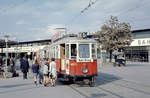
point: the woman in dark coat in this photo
(24, 65)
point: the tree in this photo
(114, 35)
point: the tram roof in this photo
(73, 39)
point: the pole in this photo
(6, 40)
(101, 56)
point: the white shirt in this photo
(52, 68)
(45, 69)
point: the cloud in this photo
(38, 20)
(45, 32)
(50, 5)
(52, 28)
(20, 22)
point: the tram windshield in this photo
(84, 51)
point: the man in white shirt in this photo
(52, 70)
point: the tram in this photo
(76, 58)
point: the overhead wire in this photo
(82, 11)
(133, 19)
(89, 5)
(132, 9)
(85, 9)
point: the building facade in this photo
(139, 50)
(20, 49)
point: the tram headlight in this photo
(84, 70)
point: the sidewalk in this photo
(104, 64)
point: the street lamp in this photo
(6, 41)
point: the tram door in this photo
(62, 57)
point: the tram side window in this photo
(45, 53)
(73, 51)
(93, 51)
(57, 52)
(67, 49)
(50, 53)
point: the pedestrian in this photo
(52, 70)
(12, 66)
(46, 73)
(42, 63)
(35, 70)
(24, 66)
(1, 61)
(143, 59)
(2, 68)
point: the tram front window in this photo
(84, 51)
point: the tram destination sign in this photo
(141, 42)
(85, 60)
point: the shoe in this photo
(35, 83)
(40, 82)
(45, 84)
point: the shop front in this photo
(139, 50)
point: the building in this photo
(3, 45)
(19, 49)
(139, 50)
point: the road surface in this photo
(132, 81)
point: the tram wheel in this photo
(92, 82)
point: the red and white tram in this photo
(76, 58)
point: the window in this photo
(93, 51)
(73, 51)
(67, 51)
(56, 48)
(84, 51)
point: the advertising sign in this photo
(141, 42)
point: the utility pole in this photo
(6, 41)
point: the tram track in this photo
(131, 85)
(73, 87)
(129, 81)
(128, 87)
(110, 92)
(147, 86)
(93, 90)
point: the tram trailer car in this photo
(76, 59)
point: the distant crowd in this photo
(44, 70)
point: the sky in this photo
(29, 20)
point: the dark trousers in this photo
(40, 76)
(25, 75)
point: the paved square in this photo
(132, 81)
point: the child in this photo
(35, 70)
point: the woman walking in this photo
(52, 70)
(24, 66)
(35, 70)
(46, 73)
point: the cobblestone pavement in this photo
(132, 81)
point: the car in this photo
(120, 61)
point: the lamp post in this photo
(6, 41)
